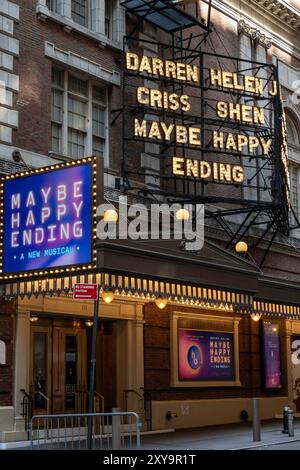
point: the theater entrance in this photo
(60, 364)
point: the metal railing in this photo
(111, 431)
(145, 405)
(26, 405)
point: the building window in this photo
(76, 102)
(79, 12)
(94, 15)
(108, 17)
(294, 167)
(53, 5)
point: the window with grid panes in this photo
(53, 5)
(57, 109)
(99, 120)
(80, 12)
(80, 97)
(294, 188)
(77, 115)
(108, 17)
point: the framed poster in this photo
(204, 350)
(271, 355)
(205, 355)
(295, 363)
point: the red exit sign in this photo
(85, 291)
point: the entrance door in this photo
(58, 368)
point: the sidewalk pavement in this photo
(229, 437)
(226, 437)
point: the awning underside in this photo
(162, 13)
(149, 289)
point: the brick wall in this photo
(157, 360)
(34, 69)
(6, 370)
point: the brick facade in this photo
(6, 370)
(158, 368)
(34, 70)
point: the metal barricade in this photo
(110, 431)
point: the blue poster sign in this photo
(48, 220)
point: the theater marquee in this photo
(48, 220)
(182, 101)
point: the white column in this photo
(64, 145)
(22, 358)
(135, 364)
(98, 16)
(119, 25)
(65, 8)
(89, 127)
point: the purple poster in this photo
(205, 355)
(48, 220)
(295, 363)
(272, 365)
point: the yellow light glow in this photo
(34, 318)
(182, 214)
(108, 296)
(256, 316)
(241, 247)
(110, 215)
(161, 302)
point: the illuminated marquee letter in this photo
(77, 229)
(181, 134)
(46, 211)
(167, 130)
(61, 192)
(61, 211)
(205, 170)
(14, 239)
(215, 76)
(237, 174)
(140, 130)
(139, 95)
(15, 220)
(39, 235)
(274, 89)
(193, 136)
(77, 189)
(132, 61)
(30, 219)
(30, 199)
(45, 194)
(192, 74)
(178, 166)
(15, 201)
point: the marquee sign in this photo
(48, 220)
(209, 120)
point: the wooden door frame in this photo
(55, 376)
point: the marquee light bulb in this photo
(182, 214)
(256, 316)
(161, 302)
(110, 215)
(108, 296)
(241, 247)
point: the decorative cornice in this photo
(254, 34)
(281, 10)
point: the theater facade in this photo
(183, 110)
